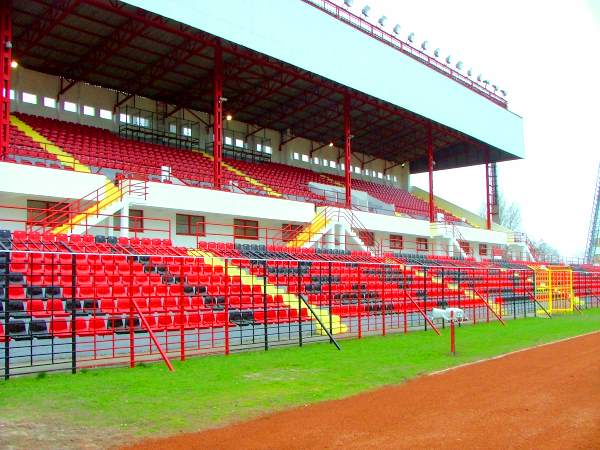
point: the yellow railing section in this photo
(111, 194)
(289, 300)
(269, 190)
(554, 288)
(331, 180)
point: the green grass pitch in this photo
(209, 391)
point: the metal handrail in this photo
(316, 316)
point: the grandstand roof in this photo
(132, 50)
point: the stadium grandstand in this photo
(184, 180)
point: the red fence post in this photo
(383, 312)
(452, 332)
(131, 334)
(181, 315)
(360, 303)
(227, 307)
(404, 285)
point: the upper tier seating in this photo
(100, 148)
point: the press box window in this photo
(396, 242)
(187, 225)
(245, 229)
(422, 244)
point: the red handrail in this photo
(488, 306)
(427, 319)
(152, 336)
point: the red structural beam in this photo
(310, 99)
(151, 72)
(488, 212)
(347, 151)
(106, 49)
(241, 52)
(430, 169)
(218, 117)
(5, 68)
(54, 14)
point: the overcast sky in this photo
(547, 55)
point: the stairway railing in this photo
(91, 204)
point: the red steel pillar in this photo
(218, 118)
(430, 169)
(347, 151)
(488, 211)
(491, 193)
(5, 67)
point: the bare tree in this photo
(510, 213)
(545, 251)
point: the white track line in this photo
(503, 355)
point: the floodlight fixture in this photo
(411, 37)
(382, 20)
(425, 45)
(459, 65)
(348, 3)
(396, 29)
(331, 144)
(437, 52)
(366, 10)
(229, 117)
(449, 59)
(470, 72)
(14, 64)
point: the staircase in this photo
(313, 231)
(324, 222)
(291, 301)
(78, 215)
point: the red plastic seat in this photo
(60, 327)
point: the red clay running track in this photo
(547, 397)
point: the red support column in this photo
(488, 211)
(430, 168)
(5, 68)
(491, 191)
(218, 117)
(347, 151)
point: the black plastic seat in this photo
(71, 305)
(16, 308)
(112, 240)
(35, 292)
(53, 291)
(100, 239)
(116, 324)
(17, 329)
(16, 278)
(38, 328)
